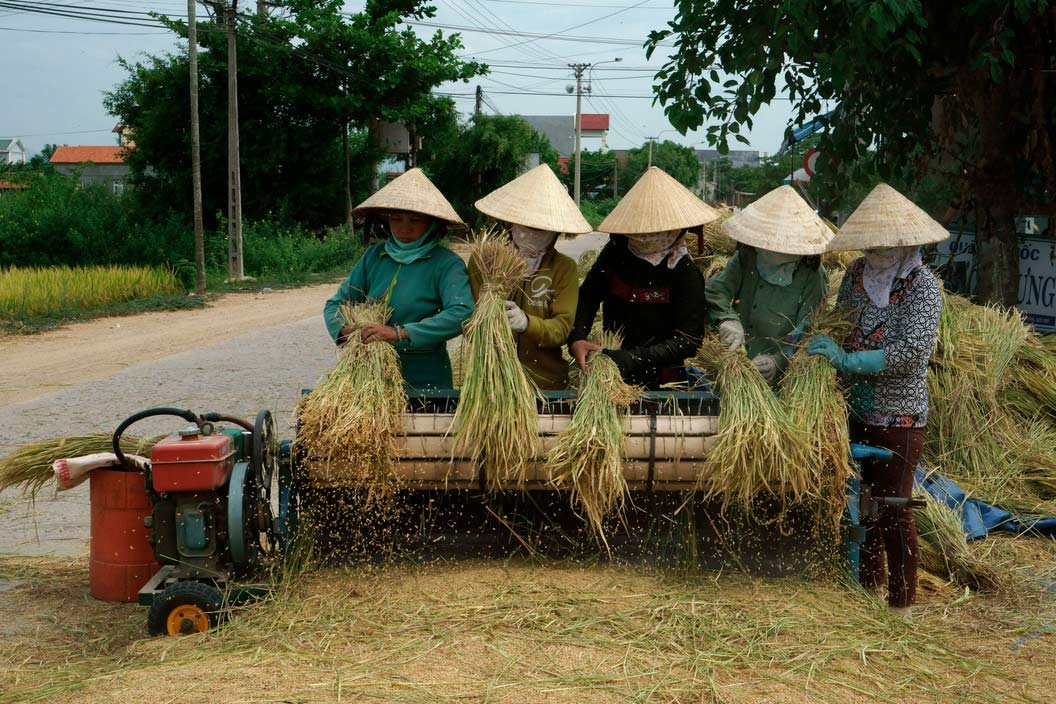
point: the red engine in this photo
(191, 461)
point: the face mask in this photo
(654, 247)
(776, 268)
(532, 244)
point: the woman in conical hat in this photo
(894, 302)
(426, 284)
(773, 280)
(645, 283)
(538, 209)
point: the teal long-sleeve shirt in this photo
(430, 299)
(767, 312)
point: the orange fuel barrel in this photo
(122, 559)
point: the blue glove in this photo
(862, 363)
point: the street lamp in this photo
(579, 69)
(653, 139)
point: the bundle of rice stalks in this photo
(759, 449)
(29, 466)
(839, 261)
(944, 549)
(712, 264)
(496, 421)
(813, 397)
(350, 422)
(586, 262)
(1033, 374)
(589, 451)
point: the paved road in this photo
(262, 369)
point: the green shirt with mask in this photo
(430, 299)
(769, 312)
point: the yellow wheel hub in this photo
(186, 619)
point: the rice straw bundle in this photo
(759, 449)
(350, 422)
(496, 421)
(813, 398)
(712, 264)
(588, 453)
(944, 549)
(29, 466)
(839, 261)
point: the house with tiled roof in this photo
(93, 165)
(12, 151)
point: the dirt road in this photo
(34, 365)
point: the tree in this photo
(477, 158)
(943, 92)
(309, 82)
(679, 161)
(597, 170)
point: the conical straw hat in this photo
(655, 204)
(535, 199)
(411, 191)
(886, 218)
(781, 221)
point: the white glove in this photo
(767, 366)
(731, 334)
(516, 316)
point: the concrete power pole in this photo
(235, 270)
(615, 178)
(650, 165)
(579, 69)
(196, 149)
(479, 105)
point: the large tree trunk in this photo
(996, 250)
(997, 185)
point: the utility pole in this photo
(235, 270)
(196, 150)
(262, 9)
(480, 101)
(615, 178)
(651, 152)
(579, 69)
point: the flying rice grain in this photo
(589, 452)
(350, 422)
(496, 421)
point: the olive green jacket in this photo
(768, 313)
(549, 300)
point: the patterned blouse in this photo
(905, 330)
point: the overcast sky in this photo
(56, 69)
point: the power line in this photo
(535, 36)
(578, 26)
(83, 34)
(641, 6)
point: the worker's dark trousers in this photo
(894, 531)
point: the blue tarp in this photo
(803, 131)
(978, 517)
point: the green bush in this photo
(288, 254)
(596, 210)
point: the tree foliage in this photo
(597, 170)
(940, 91)
(468, 161)
(678, 160)
(305, 76)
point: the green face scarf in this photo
(408, 252)
(776, 268)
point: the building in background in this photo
(561, 131)
(12, 151)
(93, 165)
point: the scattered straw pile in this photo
(514, 632)
(29, 466)
(944, 548)
(496, 419)
(588, 454)
(760, 450)
(350, 422)
(991, 425)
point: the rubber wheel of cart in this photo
(185, 608)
